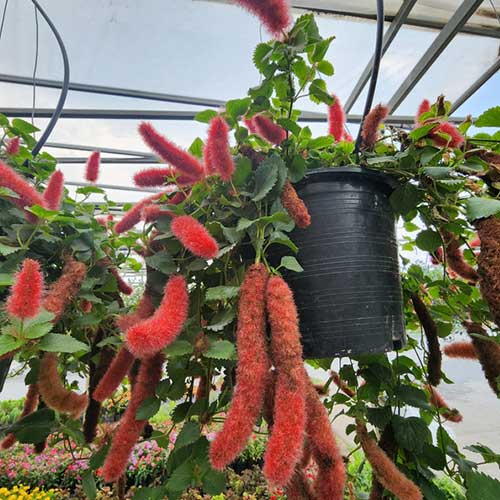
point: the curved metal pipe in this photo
(375, 70)
(64, 91)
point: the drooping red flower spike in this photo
(384, 468)
(347, 137)
(455, 258)
(284, 449)
(274, 14)
(53, 392)
(295, 206)
(92, 167)
(184, 162)
(336, 119)
(52, 195)
(461, 350)
(475, 243)
(28, 195)
(30, 404)
(153, 177)
(153, 334)
(452, 415)
(453, 139)
(130, 429)
(133, 216)
(25, 299)
(330, 481)
(250, 125)
(425, 107)
(193, 235)
(252, 370)
(62, 291)
(218, 153)
(371, 125)
(341, 384)
(12, 146)
(122, 285)
(269, 130)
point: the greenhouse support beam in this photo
(79, 160)
(78, 147)
(489, 73)
(457, 21)
(111, 186)
(124, 114)
(389, 36)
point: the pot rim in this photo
(389, 184)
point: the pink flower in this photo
(54, 191)
(152, 177)
(25, 299)
(217, 154)
(371, 124)
(194, 236)
(28, 195)
(452, 137)
(92, 167)
(425, 107)
(12, 146)
(336, 119)
(269, 130)
(274, 14)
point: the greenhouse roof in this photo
(165, 61)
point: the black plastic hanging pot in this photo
(4, 371)
(349, 295)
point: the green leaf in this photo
(205, 116)
(411, 396)
(37, 330)
(321, 142)
(321, 48)
(24, 126)
(437, 172)
(162, 261)
(55, 342)
(261, 55)
(291, 263)
(302, 71)
(148, 408)
(149, 493)
(179, 348)
(214, 482)
(428, 240)
(236, 108)
(88, 484)
(411, 433)
(479, 208)
(379, 417)
(420, 132)
(190, 433)
(196, 148)
(297, 169)
(98, 457)
(318, 93)
(325, 67)
(222, 293)
(266, 177)
(243, 170)
(221, 349)
(404, 199)
(34, 428)
(9, 343)
(7, 250)
(282, 239)
(289, 125)
(220, 320)
(6, 279)
(482, 487)
(43, 317)
(490, 118)
(182, 476)
(244, 224)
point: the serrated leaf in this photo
(236, 108)
(222, 293)
(411, 396)
(55, 342)
(261, 55)
(325, 67)
(420, 132)
(404, 199)
(162, 261)
(196, 148)
(7, 250)
(318, 92)
(214, 482)
(34, 428)
(479, 208)
(243, 170)
(266, 177)
(24, 126)
(9, 343)
(282, 239)
(88, 484)
(149, 493)
(291, 263)
(411, 433)
(482, 487)
(221, 349)
(98, 458)
(190, 433)
(37, 330)
(289, 125)
(490, 118)
(205, 116)
(437, 172)
(428, 240)
(148, 408)
(220, 320)
(179, 348)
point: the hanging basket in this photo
(349, 295)
(4, 371)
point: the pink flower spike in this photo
(183, 161)
(250, 125)
(425, 107)
(193, 235)
(269, 130)
(53, 192)
(28, 195)
(336, 119)
(274, 14)
(371, 124)
(347, 137)
(455, 139)
(12, 146)
(133, 216)
(25, 299)
(153, 177)
(92, 167)
(218, 153)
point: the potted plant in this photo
(217, 328)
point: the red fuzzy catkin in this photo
(218, 153)
(250, 125)
(153, 177)
(30, 405)
(193, 235)
(455, 139)
(438, 402)
(133, 216)
(252, 370)
(455, 258)
(269, 130)
(336, 119)
(295, 206)
(153, 334)
(130, 429)
(184, 162)
(145, 309)
(92, 167)
(274, 14)
(330, 481)
(285, 444)
(25, 299)
(53, 392)
(341, 384)
(122, 285)
(62, 291)
(28, 195)
(461, 350)
(371, 125)
(430, 329)
(475, 243)
(384, 468)
(12, 146)
(425, 107)
(53, 193)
